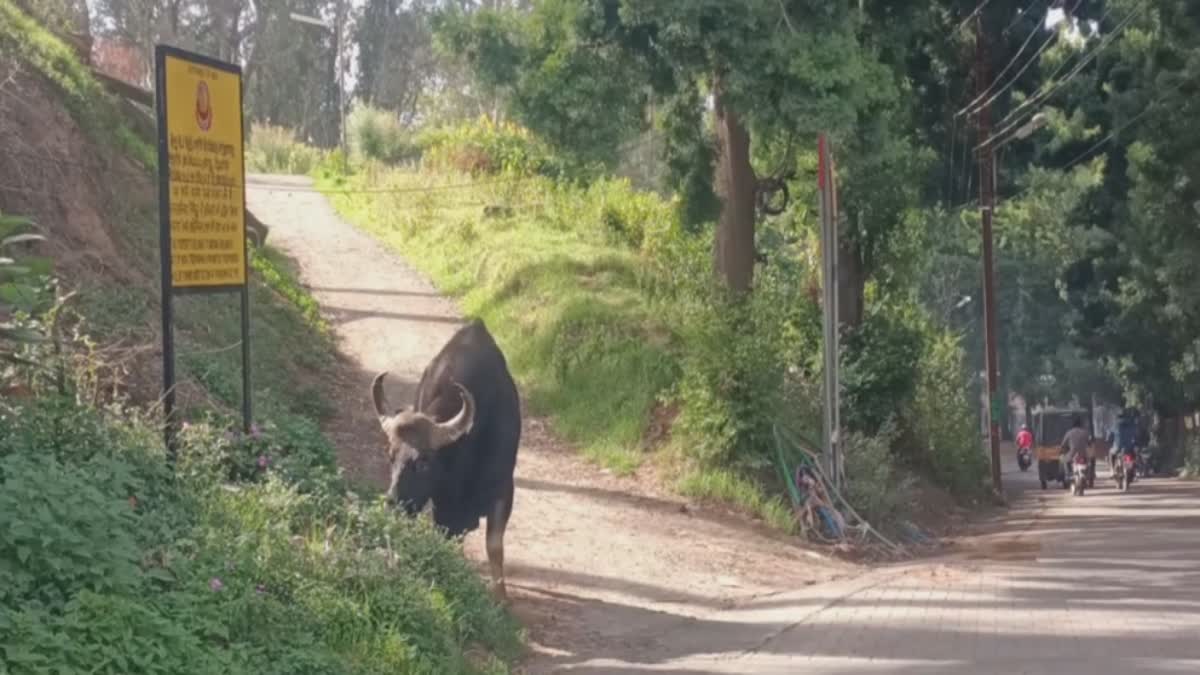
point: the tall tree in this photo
(1133, 285)
(396, 59)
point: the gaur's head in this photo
(414, 439)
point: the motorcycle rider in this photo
(1126, 437)
(1074, 442)
(1024, 439)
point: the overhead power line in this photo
(1107, 137)
(975, 105)
(1051, 87)
(974, 13)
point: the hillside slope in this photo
(72, 163)
(252, 555)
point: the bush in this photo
(274, 149)
(731, 386)
(876, 489)
(62, 534)
(487, 148)
(376, 134)
(25, 294)
(880, 364)
(111, 563)
(943, 426)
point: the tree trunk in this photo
(851, 282)
(733, 245)
(1171, 440)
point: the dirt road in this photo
(598, 566)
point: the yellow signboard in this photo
(201, 127)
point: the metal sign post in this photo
(201, 199)
(826, 183)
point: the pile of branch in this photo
(823, 513)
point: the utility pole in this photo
(831, 427)
(987, 202)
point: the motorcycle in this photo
(1126, 470)
(1145, 463)
(1024, 458)
(1079, 475)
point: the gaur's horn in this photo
(379, 398)
(446, 433)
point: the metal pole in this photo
(247, 382)
(829, 313)
(987, 199)
(164, 252)
(835, 333)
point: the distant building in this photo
(120, 60)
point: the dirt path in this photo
(599, 567)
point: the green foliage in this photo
(275, 149)
(484, 147)
(731, 383)
(943, 430)
(725, 486)
(881, 365)
(24, 294)
(878, 490)
(74, 536)
(275, 270)
(376, 134)
(111, 563)
(551, 80)
(23, 39)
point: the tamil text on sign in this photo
(207, 195)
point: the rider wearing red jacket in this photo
(1024, 438)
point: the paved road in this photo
(1104, 583)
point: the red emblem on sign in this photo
(204, 113)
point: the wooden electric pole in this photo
(987, 201)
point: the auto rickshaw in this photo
(1049, 427)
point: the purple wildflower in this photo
(264, 461)
(215, 585)
(255, 432)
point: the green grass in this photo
(571, 310)
(273, 149)
(727, 487)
